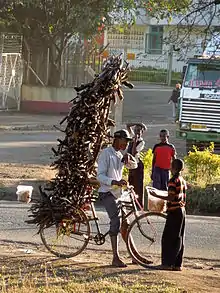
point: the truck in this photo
(198, 120)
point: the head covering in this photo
(123, 133)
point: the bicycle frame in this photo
(127, 209)
(128, 205)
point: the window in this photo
(203, 75)
(154, 40)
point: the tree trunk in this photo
(55, 68)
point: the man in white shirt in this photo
(109, 174)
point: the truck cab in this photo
(199, 103)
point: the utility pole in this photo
(170, 65)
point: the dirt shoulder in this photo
(198, 275)
(11, 175)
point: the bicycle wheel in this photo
(144, 238)
(69, 237)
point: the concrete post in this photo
(170, 65)
(118, 114)
(117, 111)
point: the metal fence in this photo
(80, 62)
(10, 71)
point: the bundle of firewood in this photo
(87, 129)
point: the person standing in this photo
(109, 174)
(174, 99)
(136, 176)
(163, 154)
(174, 230)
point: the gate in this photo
(10, 71)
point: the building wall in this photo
(123, 41)
(37, 99)
(49, 100)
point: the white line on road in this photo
(25, 144)
(147, 90)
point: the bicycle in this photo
(77, 233)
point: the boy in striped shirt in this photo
(173, 234)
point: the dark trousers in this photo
(173, 238)
(136, 178)
(160, 178)
(109, 202)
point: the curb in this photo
(36, 127)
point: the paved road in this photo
(148, 105)
(27, 147)
(202, 233)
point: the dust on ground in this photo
(12, 175)
(24, 171)
(199, 275)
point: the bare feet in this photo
(163, 268)
(117, 263)
(179, 269)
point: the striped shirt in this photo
(177, 187)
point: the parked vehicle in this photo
(199, 102)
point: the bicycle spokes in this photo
(68, 237)
(146, 233)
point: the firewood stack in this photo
(87, 129)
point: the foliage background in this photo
(202, 174)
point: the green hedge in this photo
(202, 174)
(150, 74)
(204, 200)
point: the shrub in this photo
(204, 200)
(147, 158)
(203, 167)
(202, 173)
(152, 74)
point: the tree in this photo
(196, 19)
(51, 23)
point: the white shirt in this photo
(110, 167)
(139, 149)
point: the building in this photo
(153, 43)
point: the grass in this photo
(104, 285)
(59, 276)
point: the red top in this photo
(163, 153)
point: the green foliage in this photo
(203, 167)
(204, 200)
(152, 74)
(203, 174)
(147, 158)
(53, 23)
(166, 8)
